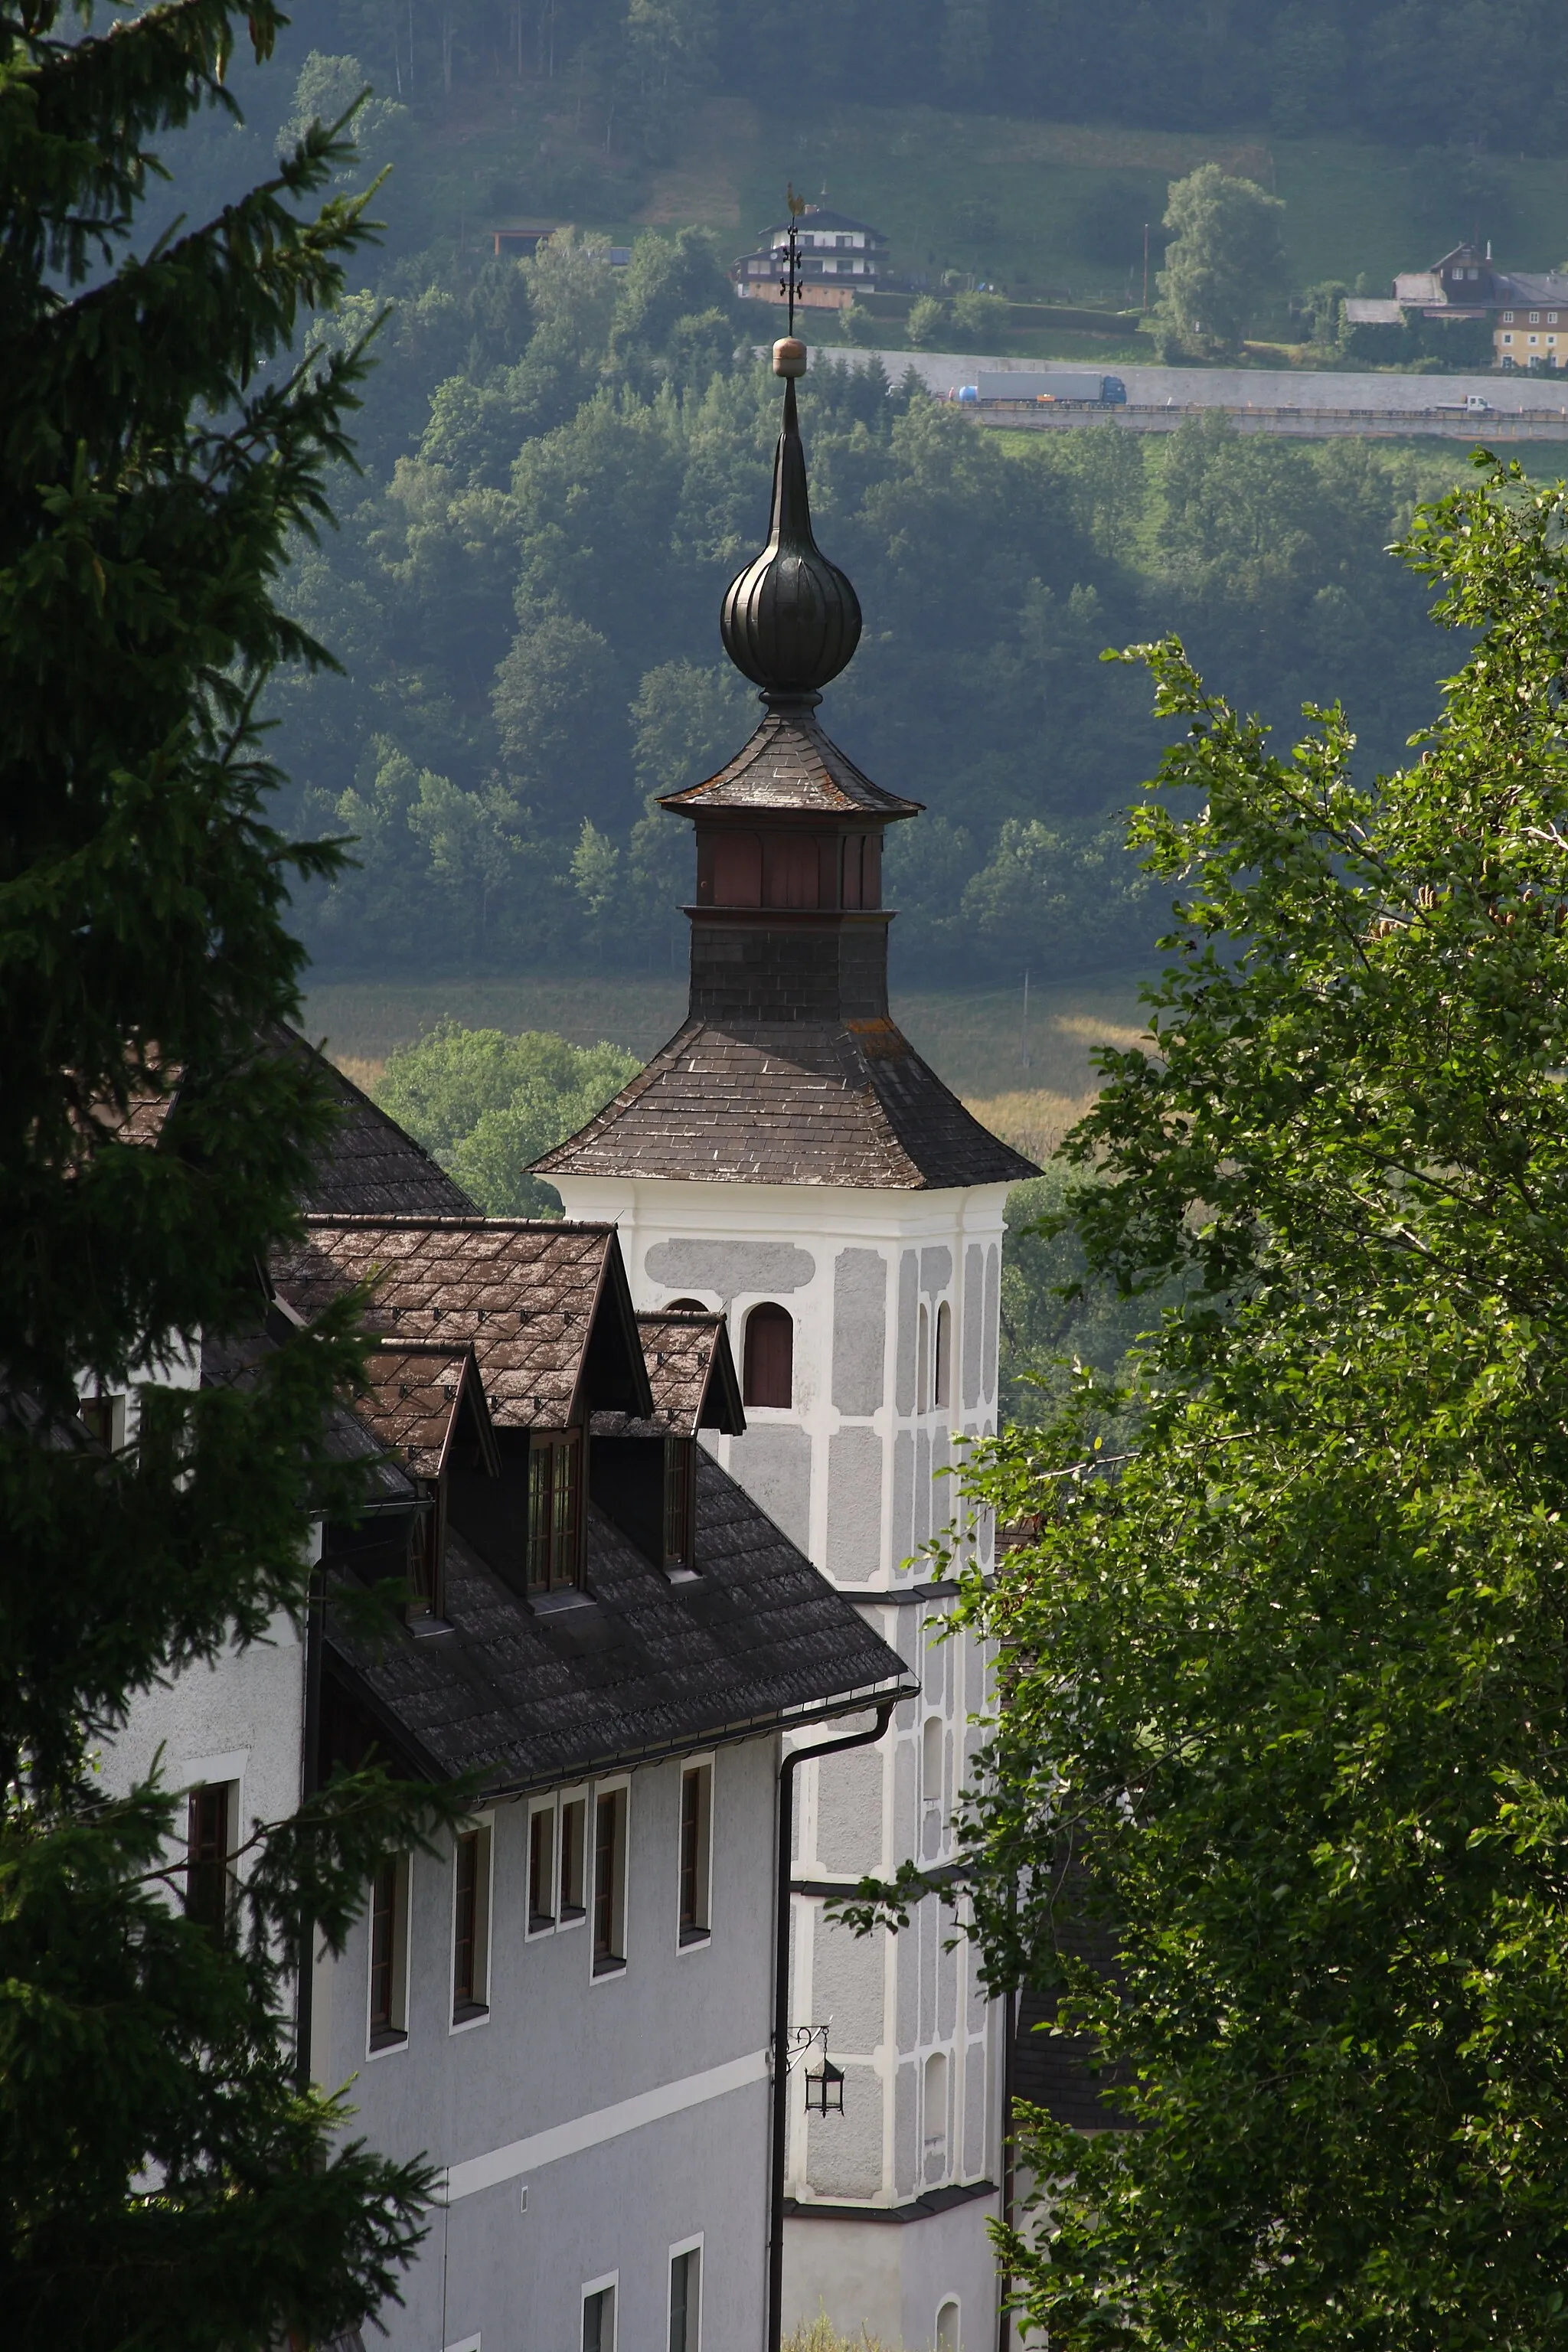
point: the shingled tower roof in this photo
(789, 1068)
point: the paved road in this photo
(1242, 388)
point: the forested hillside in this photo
(1407, 71)
(563, 466)
(564, 462)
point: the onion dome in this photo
(790, 619)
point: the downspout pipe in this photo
(782, 1920)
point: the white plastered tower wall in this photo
(889, 2202)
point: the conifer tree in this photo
(164, 2178)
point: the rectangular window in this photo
(573, 1858)
(389, 1953)
(679, 1484)
(686, 2300)
(104, 1418)
(471, 1925)
(541, 1869)
(599, 2319)
(609, 1881)
(1507, 317)
(554, 1511)
(426, 1553)
(1535, 318)
(696, 1852)
(209, 1854)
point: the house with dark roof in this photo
(789, 1161)
(1526, 310)
(838, 259)
(569, 2005)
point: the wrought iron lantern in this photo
(824, 2089)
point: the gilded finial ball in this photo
(789, 356)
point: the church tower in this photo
(789, 1159)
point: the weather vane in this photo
(789, 284)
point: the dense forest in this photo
(1412, 71)
(563, 462)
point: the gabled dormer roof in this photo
(691, 1372)
(545, 1307)
(420, 1400)
(791, 763)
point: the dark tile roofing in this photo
(803, 1102)
(523, 1294)
(413, 1397)
(639, 1665)
(692, 1375)
(372, 1167)
(791, 763)
(231, 1363)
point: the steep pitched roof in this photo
(415, 1398)
(801, 1103)
(640, 1665)
(791, 763)
(545, 1307)
(692, 1374)
(372, 1167)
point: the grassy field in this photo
(1027, 1081)
(1352, 207)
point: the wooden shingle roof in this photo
(847, 1103)
(639, 1665)
(530, 1297)
(791, 763)
(414, 1397)
(691, 1372)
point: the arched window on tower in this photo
(685, 1306)
(943, 1392)
(922, 1362)
(768, 1375)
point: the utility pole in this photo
(1145, 265)
(1024, 1026)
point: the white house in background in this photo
(787, 1162)
(566, 2009)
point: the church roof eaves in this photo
(791, 762)
(821, 1102)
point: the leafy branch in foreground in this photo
(1280, 1710)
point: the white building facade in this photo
(788, 1160)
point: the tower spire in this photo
(790, 619)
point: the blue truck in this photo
(1072, 387)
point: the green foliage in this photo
(164, 2179)
(927, 325)
(485, 1104)
(1223, 258)
(1055, 1315)
(526, 611)
(1284, 1702)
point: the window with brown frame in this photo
(209, 1855)
(769, 1357)
(426, 1553)
(470, 1926)
(541, 1869)
(389, 1953)
(609, 1881)
(679, 1501)
(695, 1813)
(554, 1510)
(573, 1857)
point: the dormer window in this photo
(426, 1553)
(680, 1503)
(554, 1510)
